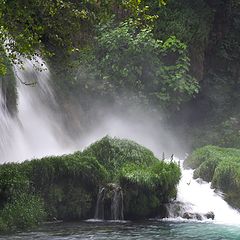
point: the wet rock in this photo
(188, 215)
(210, 215)
(176, 209)
(200, 181)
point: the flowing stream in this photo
(37, 131)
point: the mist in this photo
(145, 128)
(42, 128)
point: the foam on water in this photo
(199, 197)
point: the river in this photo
(164, 230)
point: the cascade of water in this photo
(117, 205)
(109, 203)
(36, 131)
(197, 197)
(99, 212)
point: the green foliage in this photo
(23, 212)
(146, 188)
(12, 182)
(147, 183)
(221, 166)
(30, 28)
(113, 153)
(67, 184)
(159, 176)
(189, 20)
(128, 60)
(66, 187)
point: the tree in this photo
(127, 60)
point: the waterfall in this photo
(99, 212)
(117, 205)
(198, 198)
(109, 203)
(37, 129)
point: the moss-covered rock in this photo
(221, 166)
(68, 185)
(148, 188)
(113, 153)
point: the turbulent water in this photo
(199, 197)
(131, 231)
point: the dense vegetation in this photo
(221, 167)
(66, 187)
(175, 56)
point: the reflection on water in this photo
(131, 231)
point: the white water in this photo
(38, 131)
(199, 197)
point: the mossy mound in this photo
(148, 188)
(221, 166)
(66, 187)
(113, 153)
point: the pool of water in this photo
(154, 229)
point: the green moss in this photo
(113, 153)
(148, 187)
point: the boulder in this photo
(188, 215)
(210, 215)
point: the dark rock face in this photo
(188, 215)
(197, 216)
(210, 215)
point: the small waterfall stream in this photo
(99, 211)
(117, 204)
(109, 204)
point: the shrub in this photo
(113, 153)
(23, 212)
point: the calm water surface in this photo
(130, 231)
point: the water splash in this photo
(197, 196)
